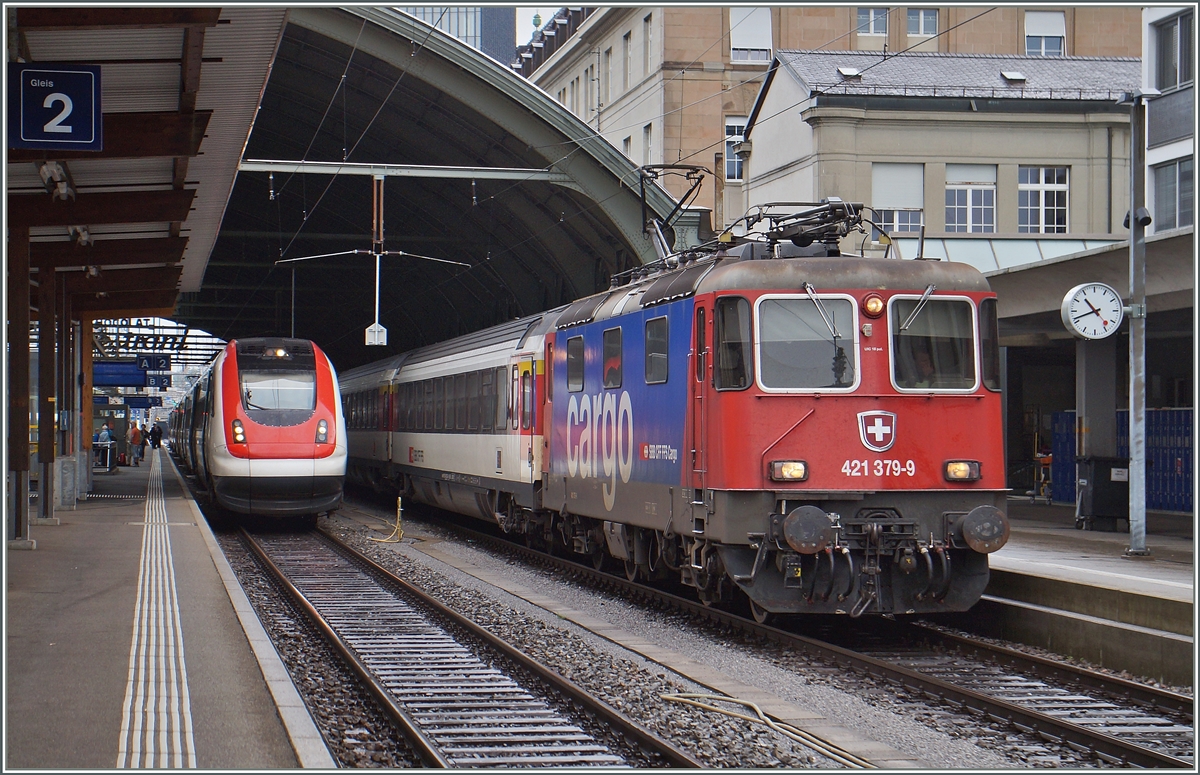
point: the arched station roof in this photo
(375, 86)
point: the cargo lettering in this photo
(604, 446)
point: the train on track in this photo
(262, 429)
(761, 419)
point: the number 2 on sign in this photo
(55, 125)
(879, 467)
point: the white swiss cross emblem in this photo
(877, 430)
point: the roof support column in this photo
(47, 378)
(18, 386)
(87, 407)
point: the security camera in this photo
(1143, 218)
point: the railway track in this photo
(464, 698)
(1119, 722)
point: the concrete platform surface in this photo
(1045, 543)
(123, 646)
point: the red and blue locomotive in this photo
(768, 420)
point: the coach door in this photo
(526, 406)
(699, 383)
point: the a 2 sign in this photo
(54, 107)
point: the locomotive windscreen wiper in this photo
(808, 288)
(920, 305)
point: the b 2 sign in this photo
(54, 107)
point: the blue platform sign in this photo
(117, 374)
(158, 380)
(54, 106)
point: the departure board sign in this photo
(54, 106)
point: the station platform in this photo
(1078, 593)
(130, 643)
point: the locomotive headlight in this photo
(322, 431)
(872, 305)
(961, 470)
(280, 353)
(789, 470)
(239, 433)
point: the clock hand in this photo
(1089, 303)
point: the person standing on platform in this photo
(135, 443)
(145, 441)
(156, 436)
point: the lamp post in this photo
(1137, 221)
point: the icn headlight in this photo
(789, 470)
(961, 470)
(239, 433)
(322, 432)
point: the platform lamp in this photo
(375, 333)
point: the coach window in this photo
(575, 364)
(526, 401)
(415, 397)
(473, 401)
(989, 340)
(487, 407)
(933, 346)
(449, 380)
(656, 351)
(439, 407)
(501, 399)
(613, 366)
(514, 409)
(460, 402)
(806, 343)
(427, 386)
(733, 365)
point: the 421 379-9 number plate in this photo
(879, 467)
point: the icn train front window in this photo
(806, 343)
(275, 390)
(937, 349)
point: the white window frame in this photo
(921, 16)
(1176, 212)
(735, 132)
(647, 43)
(1035, 46)
(1183, 48)
(648, 144)
(627, 50)
(898, 220)
(876, 24)
(851, 337)
(1038, 208)
(1042, 26)
(976, 208)
(748, 40)
(976, 335)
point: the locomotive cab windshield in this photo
(936, 351)
(278, 383)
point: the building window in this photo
(606, 87)
(971, 208)
(922, 21)
(894, 221)
(1175, 52)
(1045, 33)
(1042, 200)
(648, 144)
(872, 21)
(750, 35)
(627, 55)
(627, 148)
(735, 131)
(1173, 195)
(647, 43)
(971, 198)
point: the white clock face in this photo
(1092, 310)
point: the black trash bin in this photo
(1103, 493)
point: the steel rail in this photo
(1105, 746)
(422, 745)
(645, 739)
(1133, 691)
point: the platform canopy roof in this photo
(124, 226)
(497, 203)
